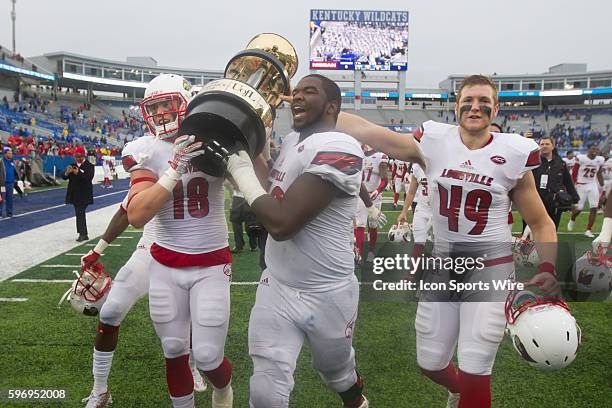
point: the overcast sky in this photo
(446, 37)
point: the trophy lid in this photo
(280, 47)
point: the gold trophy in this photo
(237, 112)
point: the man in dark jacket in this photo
(8, 179)
(80, 190)
(554, 181)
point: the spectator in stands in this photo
(80, 189)
(554, 181)
(9, 182)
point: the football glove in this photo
(375, 216)
(93, 255)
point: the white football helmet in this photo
(542, 330)
(89, 290)
(400, 233)
(592, 273)
(524, 252)
(165, 103)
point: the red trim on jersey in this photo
(345, 162)
(510, 218)
(498, 261)
(122, 209)
(141, 179)
(575, 172)
(382, 184)
(488, 141)
(533, 159)
(418, 133)
(128, 162)
(130, 200)
(175, 259)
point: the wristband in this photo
(547, 267)
(100, 246)
(169, 179)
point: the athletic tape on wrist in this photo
(169, 179)
(100, 246)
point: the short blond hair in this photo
(473, 80)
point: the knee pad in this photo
(341, 378)
(174, 346)
(207, 356)
(266, 391)
(113, 312)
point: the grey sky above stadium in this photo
(446, 37)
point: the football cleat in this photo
(371, 256)
(89, 290)
(570, 225)
(199, 384)
(453, 400)
(592, 273)
(589, 233)
(542, 330)
(98, 400)
(223, 399)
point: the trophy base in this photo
(224, 123)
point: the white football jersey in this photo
(607, 170)
(371, 170)
(569, 162)
(321, 253)
(401, 168)
(421, 197)
(588, 168)
(192, 221)
(469, 188)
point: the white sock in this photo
(102, 362)
(186, 401)
(223, 390)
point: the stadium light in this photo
(14, 17)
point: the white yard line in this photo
(110, 245)
(38, 245)
(13, 299)
(60, 266)
(42, 280)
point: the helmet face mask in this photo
(165, 104)
(90, 290)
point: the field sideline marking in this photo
(110, 245)
(58, 206)
(13, 299)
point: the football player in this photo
(398, 175)
(603, 239)
(190, 271)
(422, 219)
(129, 286)
(588, 176)
(375, 180)
(472, 175)
(314, 186)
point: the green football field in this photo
(46, 347)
